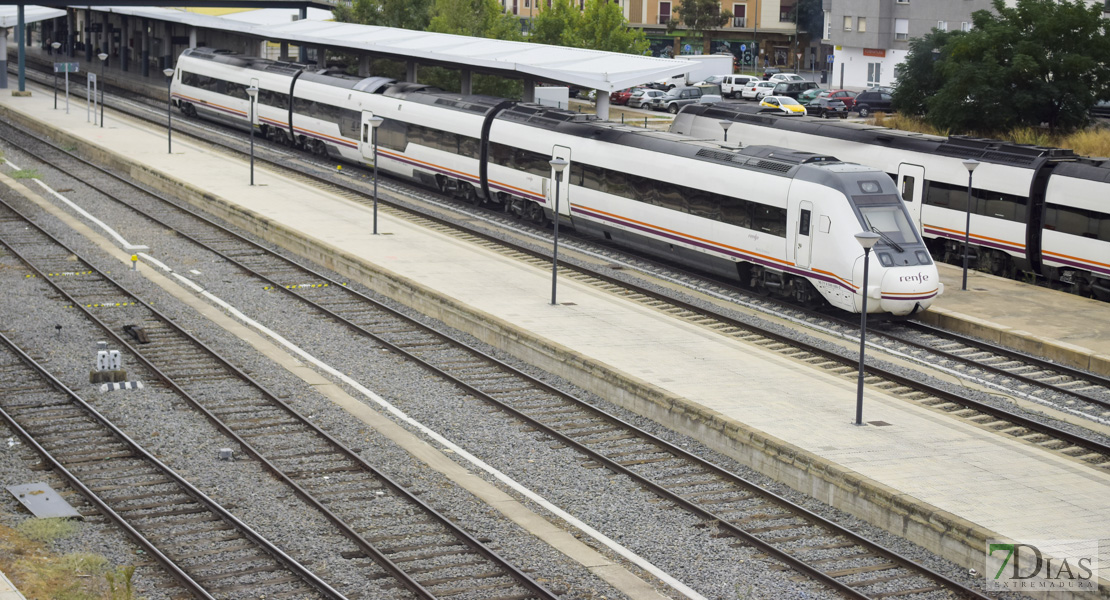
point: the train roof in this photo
(964, 147)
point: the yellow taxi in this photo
(782, 105)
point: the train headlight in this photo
(923, 257)
(885, 259)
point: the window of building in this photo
(664, 13)
(847, 23)
(786, 11)
(828, 24)
(874, 72)
(861, 24)
(965, 26)
(942, 25)
(901, 29)
(739, 15)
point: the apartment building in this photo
(870, 37)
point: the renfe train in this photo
(780, 220)
(1036, 212)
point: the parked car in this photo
(848, 97)
(730, 86)
(809, 96)
(782, 105)
(756, 90)
(787, 77)
(827, 107)
(792, 88)
(642, 97)
(621, 96)
(674, 100)
(1101, 109)
(769, 71)
(869, 102)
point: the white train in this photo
(779, 220)
(1037, 213)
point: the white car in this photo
(786, 78)
(756, 90)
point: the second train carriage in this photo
(1034, 210)
(780, 220)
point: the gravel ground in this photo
(667, 537)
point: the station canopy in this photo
(596, 69)
(31, 14)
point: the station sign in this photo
(66, 67)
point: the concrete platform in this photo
(948, 485)
(8, 590)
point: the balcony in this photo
(739, 21)
(664, 19)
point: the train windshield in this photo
(884, 214)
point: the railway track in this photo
(203, 546)
(794, 538)
(403, 536)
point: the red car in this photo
(848, 97)
(621, 96)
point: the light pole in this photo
(557, 165)
(725, 125)
(375, 123)
(55, 46)
(103, 61)
(252, 93)
(970, 165)
(867, 239)
(169, 109)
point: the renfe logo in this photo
(919, 278)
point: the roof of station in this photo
(31, 14)
(605, 71)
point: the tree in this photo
(475, 18)
(919, 76)
(810, 17)
(405, 14)
(603, 27)
(1039, 62)
(700, 17)
(557, 24)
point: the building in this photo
(761, 32)
(869, 38)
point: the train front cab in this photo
(902, 275)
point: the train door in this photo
(366, 137)
(564, 186)
(804, 246)
(911, 182)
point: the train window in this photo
(890, 220)
(236, 90)
(770, 219)
(736, 211)
(908, 188)
(803, 223)
(1078, 221)
(393, 134)
(983, 202)
(703, 205)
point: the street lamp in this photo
(867, 239)
(970, 165)
(557, 165)
(55, 46)
(725, 125)
(169, 109)
(375, 123)
(103, 61)
(252, 93)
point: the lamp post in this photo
(557, 165)
(55, 46)
(867, 239)
(375, 123)
(169, 109)
(725, 125)
(103, 61)
(970, 165)
(252, 93)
